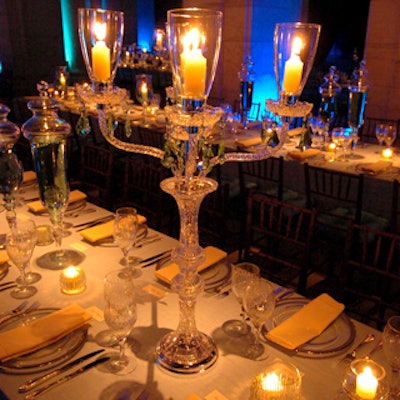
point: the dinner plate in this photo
(48, 356)
(337, 337)
(388, 171)
(110, 241)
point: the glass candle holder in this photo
(194, 38)
(100, 35)
(72, 280)
(366, 380)
(279, 381)
(295, 45)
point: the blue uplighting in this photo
(145, 24)
(67, 33)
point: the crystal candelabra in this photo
(247, 77)
(194, 37)
(295, 45)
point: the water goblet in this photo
(125, 232)
(241, 276)
(19, 247)
(380, 132)
(27, 226)
(391, 348)
(259, 303)
(120, 316)
(391, 134)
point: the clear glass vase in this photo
(47, 134)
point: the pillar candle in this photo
(101, 55)
(293, 69)
(194, 66)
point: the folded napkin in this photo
(29, 176)
(3, 257)
(307, 323)
(41, 332)
(103, 231)
(302, 155)
(249, 141)
(213, 255)
(74, 196)
(376, 167)
(296, 131)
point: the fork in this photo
(16, 310)
(33, 307)
(352, 355)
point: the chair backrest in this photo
(97, 174)
(395, 208)
(142, 190)
(152, 137)
(367, 131)
(328, 189)
(278, 239)
(267, 173)
(370, 274)
(254, 112)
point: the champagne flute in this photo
(125, 231)
(391, 348)
(241, 276)
(380, 132)
(19, 247)
(26, 226)
(259, 303)
(120, 316)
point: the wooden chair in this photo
(151, 137)
(395, 208)
(96, 178)
(370, 275)
(142, 190)
(367, 131)
(278, 239)
(254, 113)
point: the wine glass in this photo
(241, 276)
(120, 316)
(26, 226)
(380, 132)
(318, 129)
(125, 231)
(259, 303)
(391, 348)
(391, 134)
(19, 247)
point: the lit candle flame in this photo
(100, 31)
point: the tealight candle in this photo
(271, 382)
(387, 154)
(366, 384)
(72, 280)
(332, 147)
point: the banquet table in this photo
(158, 313)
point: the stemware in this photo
(26, 226)
(380, 132)
(125, 231)
(120, 316)
(318, 129)
(19, 247)
(242, 275)
(259, 303)
(390, 135)
(391, 348)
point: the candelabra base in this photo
(180, 353)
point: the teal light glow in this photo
(67, 28)
(145, 24)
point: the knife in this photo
(153, 258)
(8, 287)
(93, 223)
(66, 378)
(38, 381)
(6, 283)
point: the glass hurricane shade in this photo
(194, 39)
(100, 34)
(295, 45)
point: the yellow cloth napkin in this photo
(29, 176)
(74, 196)
(376, 167)
(3, 257)
(249, 141)
(103, 231)
(307, 323)
(213, 255)
(296, 131)
(302, 155)
(41, 332)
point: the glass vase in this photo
(47, 134)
